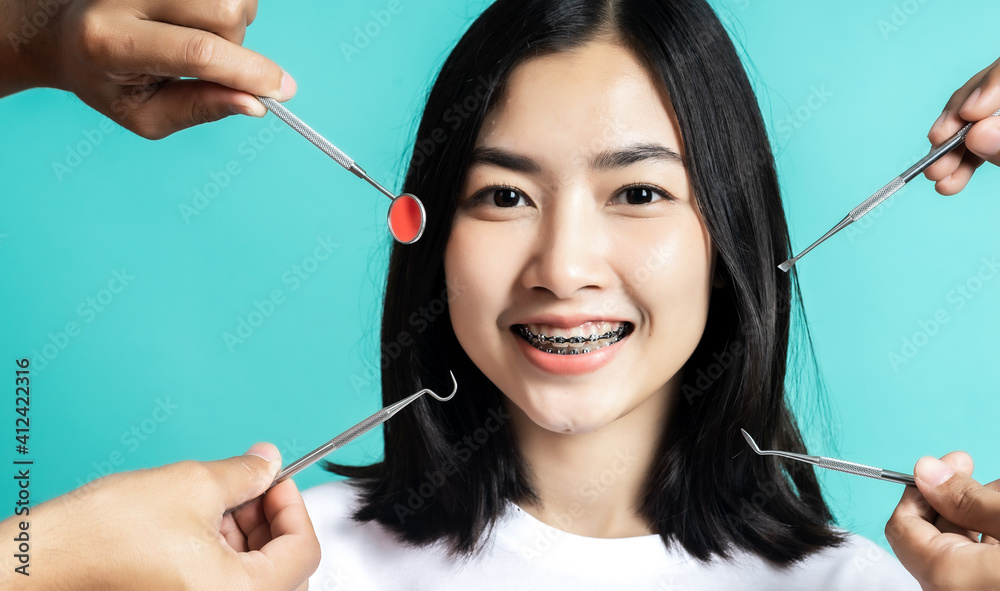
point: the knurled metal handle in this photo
(851, 468)
(879, 196)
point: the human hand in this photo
(975, 101)
(126, 59)
(163, 528)
(935, 530)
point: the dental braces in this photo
(572, 340)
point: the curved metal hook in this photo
(772, 452)
(450, 396)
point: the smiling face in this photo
(584, 265)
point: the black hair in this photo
(445, 475)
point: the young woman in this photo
(599, 273)
(169, 527)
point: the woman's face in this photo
(577, 219)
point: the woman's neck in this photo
(590, 484)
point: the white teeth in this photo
(585, 330)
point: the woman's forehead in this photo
(580, 102)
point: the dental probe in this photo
(887, 191)
(351, 434)
(407, 217)
(834, 464)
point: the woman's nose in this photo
(570, 250)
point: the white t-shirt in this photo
(525, 553)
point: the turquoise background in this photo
(310, 370)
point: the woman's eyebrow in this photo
(634, 154)
(606, 160)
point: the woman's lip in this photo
(566, 365)
(566, 321)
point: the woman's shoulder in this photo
(330, 499)
(354, 554)
(858, 563)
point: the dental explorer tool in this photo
(887, 191)
(353, 433)
(833, 464)
(407, 217)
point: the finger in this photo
(253, 518)
(159, 49)
(910, 530)
(984, 140)
(251, 11)
(227, 19)
(986, 538)
(984, 98)
(242, 478)
(293, 553)
(180, 104)
(961, 462)
(949, 122)
(232, 534)
(959, 178)
(959, 498)
(253, 521)
(946, 527)
(946, 165)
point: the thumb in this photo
(246, 477)
(179, 104)
(957, 497)
(984, 139)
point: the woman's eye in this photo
(638, 196)
(507, 198)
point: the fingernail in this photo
(972, 100)
(933, 471)
(267, 452)
(937, 124)
(288, 86)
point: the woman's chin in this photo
(575, 415)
